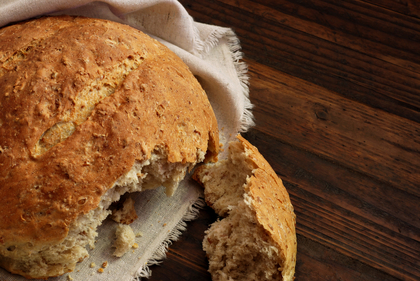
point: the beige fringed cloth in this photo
(213, 55)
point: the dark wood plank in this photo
(408, 7)
(327, 50)
(364, 139)
(320, 263)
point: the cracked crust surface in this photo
(80, 101)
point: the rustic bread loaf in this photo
(257, 239)
(89, 110)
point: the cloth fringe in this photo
(160, 254)
(247, 120)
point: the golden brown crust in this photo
(273, 208)
(47, 68)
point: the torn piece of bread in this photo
(256, 241)
(124, 241)
(89, 110)
(127, 214)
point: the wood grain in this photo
(336, 89)
(306, 42)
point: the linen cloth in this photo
(213, 55)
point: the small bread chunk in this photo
(127, 214)
(256, 240)
(125, 239)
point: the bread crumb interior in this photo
(238, 248)
(61, 258)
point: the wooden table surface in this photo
(336, 89)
